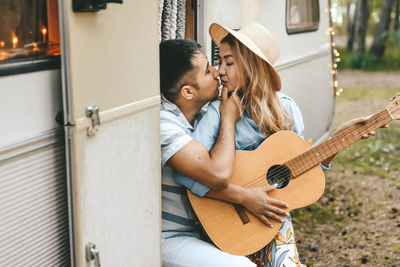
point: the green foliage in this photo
(390, 61)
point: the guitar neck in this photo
(332, 146)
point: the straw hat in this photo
(256, 38)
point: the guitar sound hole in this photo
(278, 174)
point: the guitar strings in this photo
(347, 133)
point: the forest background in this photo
(357, 220)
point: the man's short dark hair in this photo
(175, 64)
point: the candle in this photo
(15, 41)
(44, 32)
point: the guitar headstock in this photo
(394, 107)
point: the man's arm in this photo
(212, 168)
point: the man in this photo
(188, 82)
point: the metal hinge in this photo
(93, 254)
(92, 112)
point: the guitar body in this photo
(220, 219)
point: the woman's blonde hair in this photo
(258, 96)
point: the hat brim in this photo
(219, 32)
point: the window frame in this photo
(302, 29)
(33, 63)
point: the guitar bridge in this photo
(242, 213)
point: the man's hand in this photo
(261, 205)
(231, 107)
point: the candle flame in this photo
(2, 44)
(15, 41)
(44, 31)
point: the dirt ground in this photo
(362, 79)
(357, 221)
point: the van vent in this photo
(214, 54)
(34, 227)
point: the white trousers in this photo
(189, 251)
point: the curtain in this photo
(171, 19)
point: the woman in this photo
(245, 68)
(246, 59)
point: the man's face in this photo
(206, 78)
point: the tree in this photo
(360, 26)
(350, 27)
(397, 16)
(378, 46)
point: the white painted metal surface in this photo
(29, 104)
(111, 60)
(33, 209)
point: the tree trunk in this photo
(360, 26)
(397, 16)
(378, 47)
(350, 27)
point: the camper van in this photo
(79, 116)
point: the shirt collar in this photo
(174, 109)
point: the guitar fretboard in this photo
(323, 151)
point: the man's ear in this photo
(187, 92)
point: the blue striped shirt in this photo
(178, 217)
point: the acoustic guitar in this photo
(285, 159)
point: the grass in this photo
(356, 222)
(389, 62)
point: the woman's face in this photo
(228, 70)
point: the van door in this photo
(111, 101)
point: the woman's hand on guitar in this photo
(261, 205)
(345, 127)
(357, 121)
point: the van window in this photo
(302, 16)
(29, 29)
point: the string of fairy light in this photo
(335, 54)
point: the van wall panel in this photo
(33, 208)
(117, 188)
